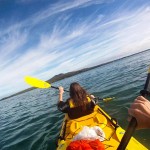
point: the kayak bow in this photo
(113, 132)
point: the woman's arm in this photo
(61, 91)
(62, 106)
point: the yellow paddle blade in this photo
(108, 99)
(36, 82)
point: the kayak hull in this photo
(113, 132)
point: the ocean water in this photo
(31, 121)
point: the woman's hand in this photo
(140, 109)
(61, 91)
(92, 96)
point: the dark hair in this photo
(78, 95)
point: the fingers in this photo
(136, 105)
(129, 118)
(141, 103)
(61, 89)
(133, 112)
(141, 98)
(140, 109)
(92, 96)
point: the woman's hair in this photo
(78, 95)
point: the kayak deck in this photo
(113, 132)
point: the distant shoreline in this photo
(62, 76)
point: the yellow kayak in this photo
(113, 132)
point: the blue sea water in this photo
(31, 121)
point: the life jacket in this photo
(71, 103)
(77, 112)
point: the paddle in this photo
(133, 123)
(105, 99)
(35, 82)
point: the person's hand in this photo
(140, 109)
(92, 96)
(61, 90)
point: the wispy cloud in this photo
(51, 41)
(51, 10)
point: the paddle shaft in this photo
(54, 87)
(37, 83)
(133, 123)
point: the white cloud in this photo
(51, 10)
(70, 46)
(11, 42)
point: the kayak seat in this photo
(100, 120)
(96, 120)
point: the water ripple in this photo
(31, 121)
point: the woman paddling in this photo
(79, 104)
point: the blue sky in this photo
(43, 38)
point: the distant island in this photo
(54, 79)
(69, 74)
